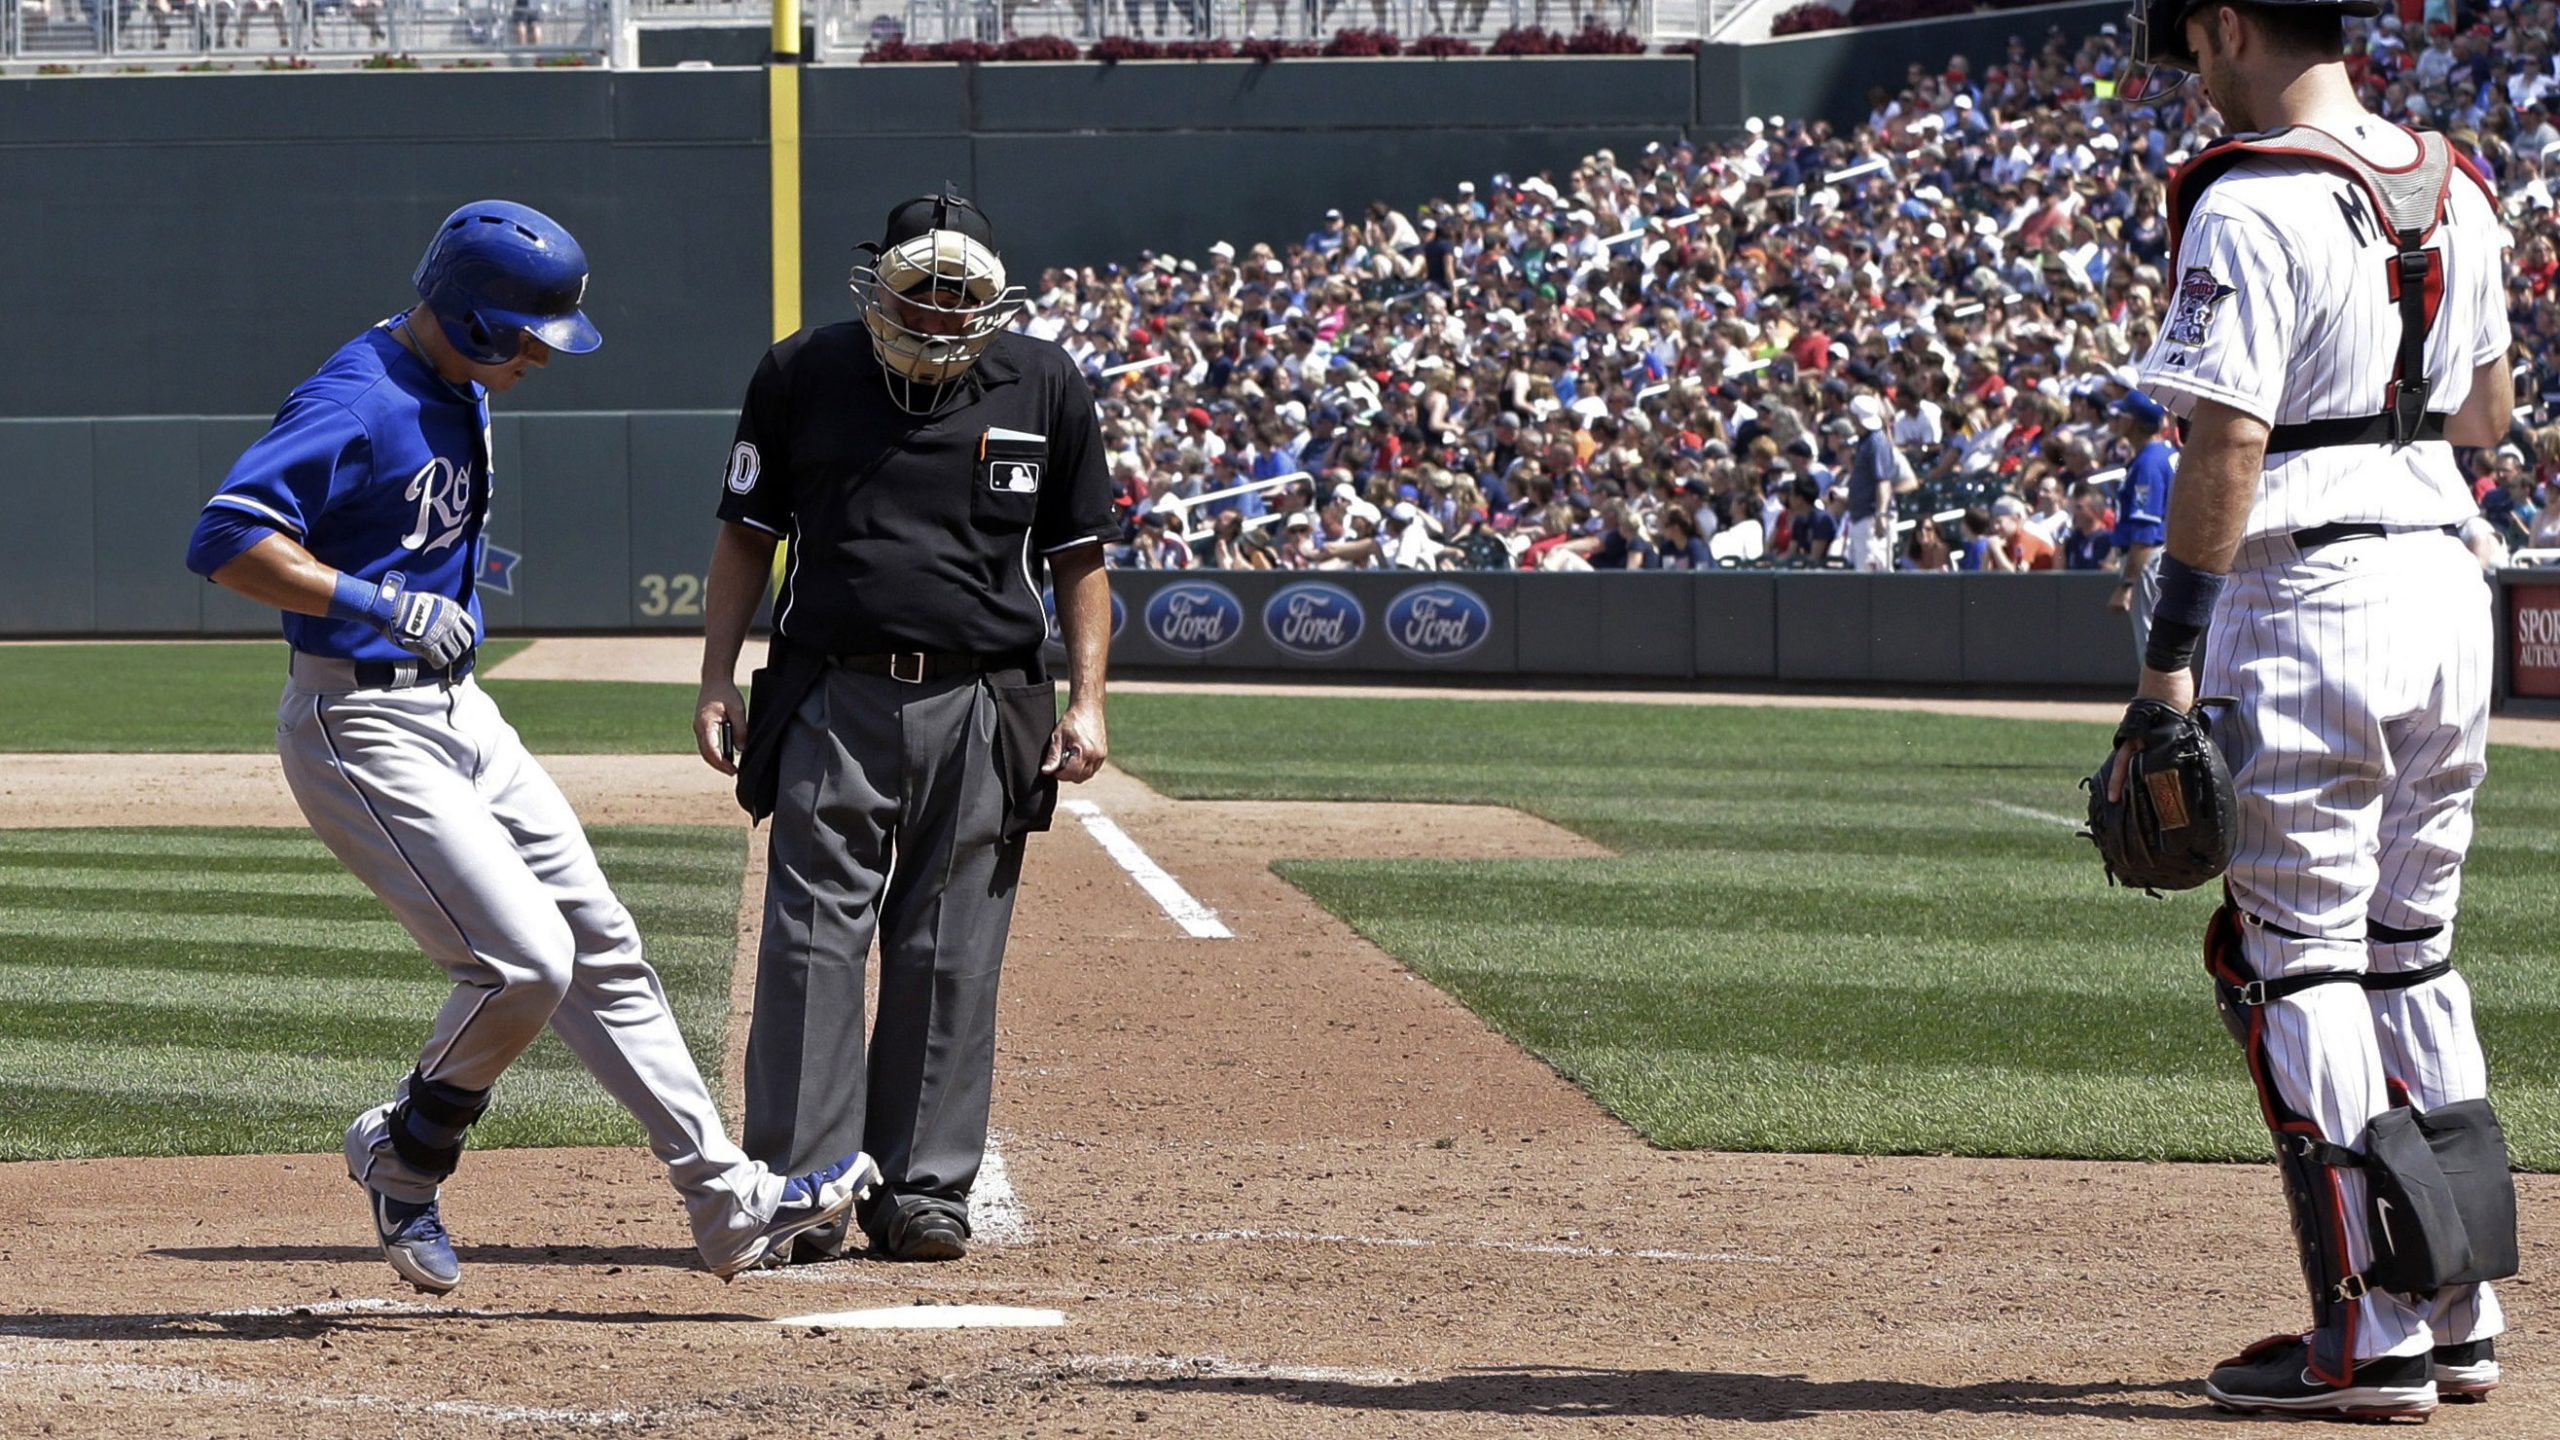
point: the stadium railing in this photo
(127, 32)
(927, 22)
(1185, 508)
(847, 27)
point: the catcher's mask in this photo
(2158, 60)
(933, 295)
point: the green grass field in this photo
(212, 699)
(177, 991)
(1821, 932)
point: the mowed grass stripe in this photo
(221, 699)
(194, 1012)
(683, 913)
(1767, 1104)
(245, 875)
(1817, 934)
(190, 992)
(26, 927)
(335, 963)
(248, 851)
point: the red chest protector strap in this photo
(2409, 203)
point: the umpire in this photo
(923, 462)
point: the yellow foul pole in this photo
(784, 133)
(783, 143)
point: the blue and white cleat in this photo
(808, 1201)
(415, 1242)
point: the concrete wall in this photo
(1826, 75)
(1829, 627)
(611, 512)
(194, 244)
(612, 516)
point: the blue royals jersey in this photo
(2142, 501)
(375, 464)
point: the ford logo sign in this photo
(1058, 637)
(1194, 617)
(1438, 622)
(1312, 620)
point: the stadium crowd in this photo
(1908, 345)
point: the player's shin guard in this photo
(2431, 1053)
(2325, 1219)
(428, 1122)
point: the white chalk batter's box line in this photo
(1391, 1242)
(2028, 812)
(1197, 920)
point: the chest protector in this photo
(2410, 205)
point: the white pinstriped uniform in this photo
(2361, 669)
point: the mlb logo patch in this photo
(1015, 477)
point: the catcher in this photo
(2338, 325)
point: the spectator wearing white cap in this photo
(1408, 537)
(1329, 237)
(1876, 479)
(2019, 546)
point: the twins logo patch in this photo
(2191, 309)
(744, 466)
(1015, 477)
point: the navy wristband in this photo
(2187, 598)
(353, 599)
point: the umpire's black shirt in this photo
(917, 532)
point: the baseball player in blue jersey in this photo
(359, 516)
(2142, 510)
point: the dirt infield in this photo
(1276, 1185)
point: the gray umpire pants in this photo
(2146, 598)
(889, 822)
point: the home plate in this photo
(932, 1317)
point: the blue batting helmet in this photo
(498, 271)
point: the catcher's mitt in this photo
(2172, 830)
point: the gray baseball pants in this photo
(889, 824)
(427, 795)
(2146, 598)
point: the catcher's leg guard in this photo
(2431, 1054)
(428, 1121)
(2324, 1200)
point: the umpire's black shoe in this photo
(818, 1246)
(926, 1235)
(2273, 1377)
(2466, 1372)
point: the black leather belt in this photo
(2319, 535)
(377, 674)
(918, 667)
